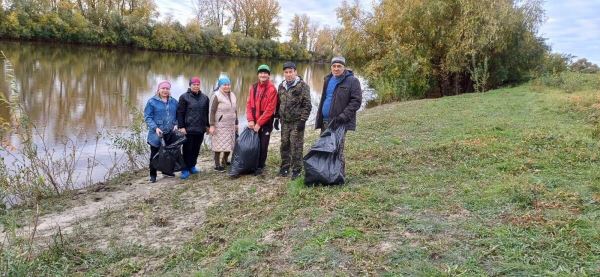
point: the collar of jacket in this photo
(264, 84)
(284, 83)
(156, 97)
(345, 75)
(190, 91)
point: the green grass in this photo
(501, 183)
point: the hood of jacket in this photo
(296, 81)
(345, 75)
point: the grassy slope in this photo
(506, 182)
(502, 183)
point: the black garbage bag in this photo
(169, 158)
(246, 153)
(323, 164)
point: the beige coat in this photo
(223, 115)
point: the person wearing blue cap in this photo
(223, 122)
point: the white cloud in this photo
(573, 27)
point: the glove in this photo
(276, 124)
(301, 125)
(342, 119)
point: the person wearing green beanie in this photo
(260, 110)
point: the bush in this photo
(571, 81)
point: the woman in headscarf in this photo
(192, 116)
(160, 116)
(223, 122)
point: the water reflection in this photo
(74, 90)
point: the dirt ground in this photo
(161, 214)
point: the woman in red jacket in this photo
(260, 109)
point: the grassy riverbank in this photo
(501, 183)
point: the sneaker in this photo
(194, 170)
(296, 174)
(283, 172)
(219, 168)
(152, 179)
(184, 174)
(258, 172)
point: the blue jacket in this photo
(159, 114)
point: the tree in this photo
(443, 47)
(267, 19)
(295, 29)
(584, 66)
(254, 18)
(313, 32)
(325, 45)
(304, 29)
(211, 13)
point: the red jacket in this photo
(264, 102)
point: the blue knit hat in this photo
(223, 80)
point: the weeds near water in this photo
(33, 169)
(133, 141)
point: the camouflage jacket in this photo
(294, 102)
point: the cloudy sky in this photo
(571, 26)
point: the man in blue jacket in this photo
(340, 100)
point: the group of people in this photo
(286, 107)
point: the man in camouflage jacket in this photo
(293, 111)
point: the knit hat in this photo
(194, 80)
(164, 84)
(223, 80)
(287, 65)
(264, 68)
(338, 59)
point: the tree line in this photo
(133, 23)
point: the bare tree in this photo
(304, 24)
(295, 29)
(313, 33)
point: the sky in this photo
(571, 27)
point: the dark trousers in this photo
(264, 137)
(153, 151)
(191, 149)
(219, 161)
(292, 144)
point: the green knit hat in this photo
(264, 68)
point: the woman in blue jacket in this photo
(160, 115)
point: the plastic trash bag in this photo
(246, 153)
(323, 164)
(169, 158)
